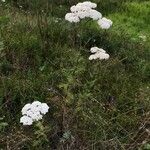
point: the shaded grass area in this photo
(99, 105)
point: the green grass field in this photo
(94, 105)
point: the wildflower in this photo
(105, 23)
(33, 112)
(3, 1)
(83, 10)
(86, 10)
(98, 54)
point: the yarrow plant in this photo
(98, 53)
(33, 112)
(87, 10)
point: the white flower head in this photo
(26, 120)
(3, 1)
(99, 53)
(83, 10)
(72, 17)
(33, 112)
(105, 23)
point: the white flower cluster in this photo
(33, 112)
(98, 53)
(86, 10)
(105, 23)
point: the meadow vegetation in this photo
(94, 105)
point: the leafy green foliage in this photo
(93, 105)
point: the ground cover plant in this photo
(89, 103)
